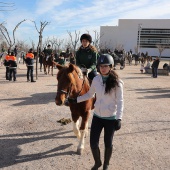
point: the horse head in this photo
(70, 82)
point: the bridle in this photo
(67, 93)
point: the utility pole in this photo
(139, 30)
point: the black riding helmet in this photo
(86, 37)
(105, 59)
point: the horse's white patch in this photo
(76, 129)
(86, 130)
(80, 74)
(82, 141)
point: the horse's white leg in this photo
(87, 130)
(80, 147)
(76, 129)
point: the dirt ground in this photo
(32, 139)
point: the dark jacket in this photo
(87, 57)
(48, 52)
(12, 64)
(155, 63)
(72, 60)
(29, 61)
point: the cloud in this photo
(44, 6)
(82, 15)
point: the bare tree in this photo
(53, 42)
(39, 47)
(22, 45)
(75, 41)
(32, 44)
(6, 35)
(161, 48)
(96, 40)
(7, 6)
(58, 43)
(46, 42)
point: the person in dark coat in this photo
(72, 58)
(12, 67)
(30, 65)
(155, 67)
(16, 50)
(6, 64)
(86, 56)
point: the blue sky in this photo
(79, 15)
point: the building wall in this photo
(126, 34)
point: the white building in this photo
(140, 35)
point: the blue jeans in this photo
(30, 72)
(155, 72)
(96, 128)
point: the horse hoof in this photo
(80, 151)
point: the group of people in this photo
(10, 62)
(11, 65)
(154, 66)
(108, 88)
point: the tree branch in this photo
(15, 30)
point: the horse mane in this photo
(77, 70)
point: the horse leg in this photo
(52, 70)
(45, 72)
(48, 69)
(83, 133)
(76, 128)
(87, 129)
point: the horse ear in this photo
(58, 65)
(71, 68)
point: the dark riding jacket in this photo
(48, 52)
(87, 57)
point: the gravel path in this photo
(31, 138)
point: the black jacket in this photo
(12, 64)
(155, 64)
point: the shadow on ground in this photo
(38, 98)
(10, 151)
(156, 93)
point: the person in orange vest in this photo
(6, 64)
(29, 59)
(12, 66)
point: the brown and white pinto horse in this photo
(72, 83)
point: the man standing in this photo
(155, 67)
(12, 66)
(30, 65)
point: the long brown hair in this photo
(111, 82)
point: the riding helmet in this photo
(86, 37)
(105, 59)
